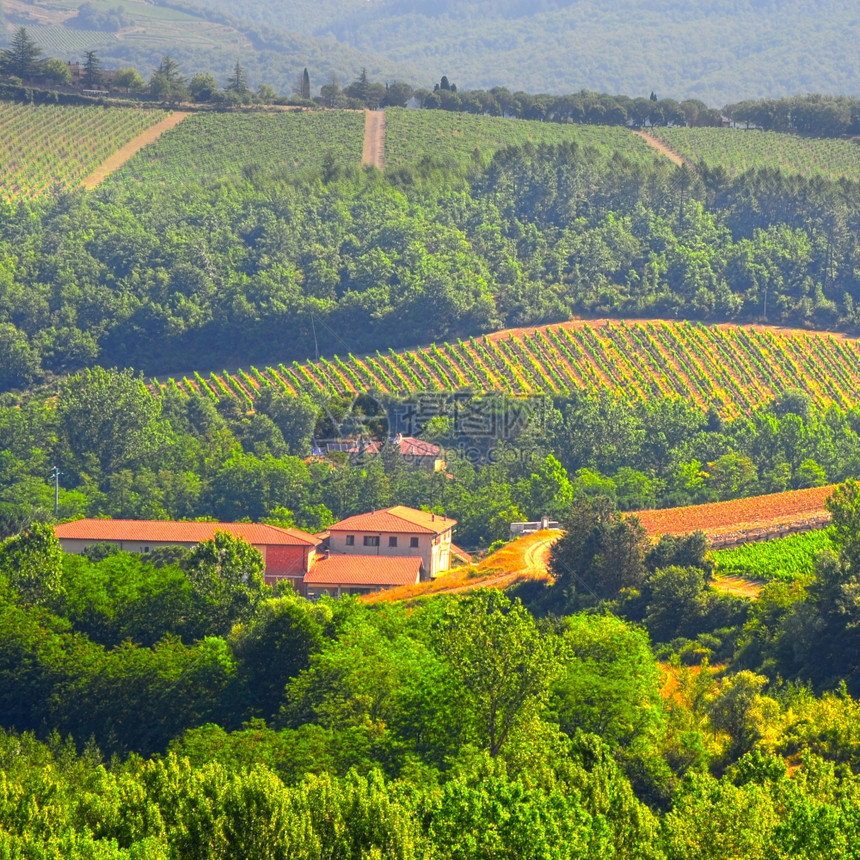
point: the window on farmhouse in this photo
(350, 540)
(371, 540)
(392, 541)
(413, 542)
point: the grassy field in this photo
(737, 150)
(228, 146)
(786, 559)
(44, 147)
(734, 368)
(454, 137)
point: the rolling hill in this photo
(713, 51)
(733, 368)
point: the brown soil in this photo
(757, 517)
(121, 156)
(661, 147)
(597, 322)
(373, 153)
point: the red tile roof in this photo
(396, 519)
(461, 554)
(407, 446)
(167, 531)
(364, 570)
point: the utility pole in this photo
(55, 474)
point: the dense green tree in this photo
(21, 58)
(32, 564)
(167, 83)
(504, 663)
(610, 684)
(56, 71)
(92, 69)
(107, 420)
(275, 646)
(600, 552)
(226, 576)
(238, 81)
(129, 79)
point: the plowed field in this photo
(744, 520)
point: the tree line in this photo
(123, 452)
(22, 63)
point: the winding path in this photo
(115, 161)
(373, 153)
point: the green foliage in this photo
(502, 660)
(21, 57)
(32, 563)
(610, 684)
(226, 575)
(599, 553)
(108, 420)
(785, 559)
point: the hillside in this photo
(735, 151)
(227, 147)
(733, 368)
(139, 33)
(712, 51)
(455, 138)
(45, 148)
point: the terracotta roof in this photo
(364, 570)
(407, 446)
(168, 531)
(396, 519)
(461, 554)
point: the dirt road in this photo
(661, 147)
(522, 559)
(374, 139)
(132, 148)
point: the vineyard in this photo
(453, 138)
(733, 368)
(60, 41)
(744, 520)
(228, 146)
(736, 151)
(45, 146)
(784, 559)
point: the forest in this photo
(590, 717)
(202, 274)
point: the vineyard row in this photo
(732, 368)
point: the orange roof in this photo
(364, 570)
(396, 519)
(461, 554)
(407, 446)
(168, 531)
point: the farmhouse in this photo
(416, 453)
(364, 553)
(287, 553)
(396, 532)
